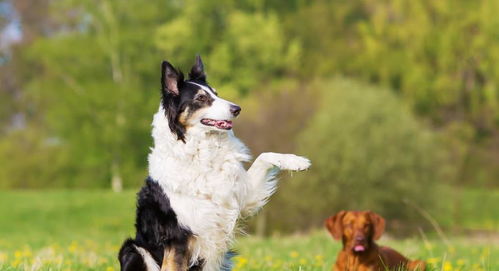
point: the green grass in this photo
(82, 230)
(472, 209)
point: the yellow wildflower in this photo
(485, 252)
(240, 261)
(73, 247)
(18, 254)
(433, 260)
(447, 266)
(319, 257)
(15, 263)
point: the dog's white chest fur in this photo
(206, 183)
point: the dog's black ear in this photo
(169, 78)
(197, 71)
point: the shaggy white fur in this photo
(208, 187)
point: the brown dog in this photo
(358, 230)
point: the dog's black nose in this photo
(235, 110)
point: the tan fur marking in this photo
(184, 117)
(169, 263)
(169, 260)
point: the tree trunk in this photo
(261, 224)
(116, 181)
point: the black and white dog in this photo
(197, 188)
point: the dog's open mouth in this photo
(220, 124)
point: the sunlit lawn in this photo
(307, 252)
(82, 230)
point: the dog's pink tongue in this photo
(359, 248)
(224, 124)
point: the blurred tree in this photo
(85, 73)
(91, 89)
(438, 54)
(227, 35)
(16, 134)
(34, 18)
(368, 152)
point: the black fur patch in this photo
(129, 257)
(156, 228)
(197, 71)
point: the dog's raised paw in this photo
(286, 161)
(293, 162)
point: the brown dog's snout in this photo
(360, 238)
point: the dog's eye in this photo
(202, 98)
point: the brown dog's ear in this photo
(378, 225)
(334, 225)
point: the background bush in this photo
(368, 152)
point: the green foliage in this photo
(93, 93)
(439, 55)
(242, 48)
(88, 77)
(368, 152)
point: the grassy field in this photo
(82, 230)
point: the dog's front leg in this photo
(261, 181)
